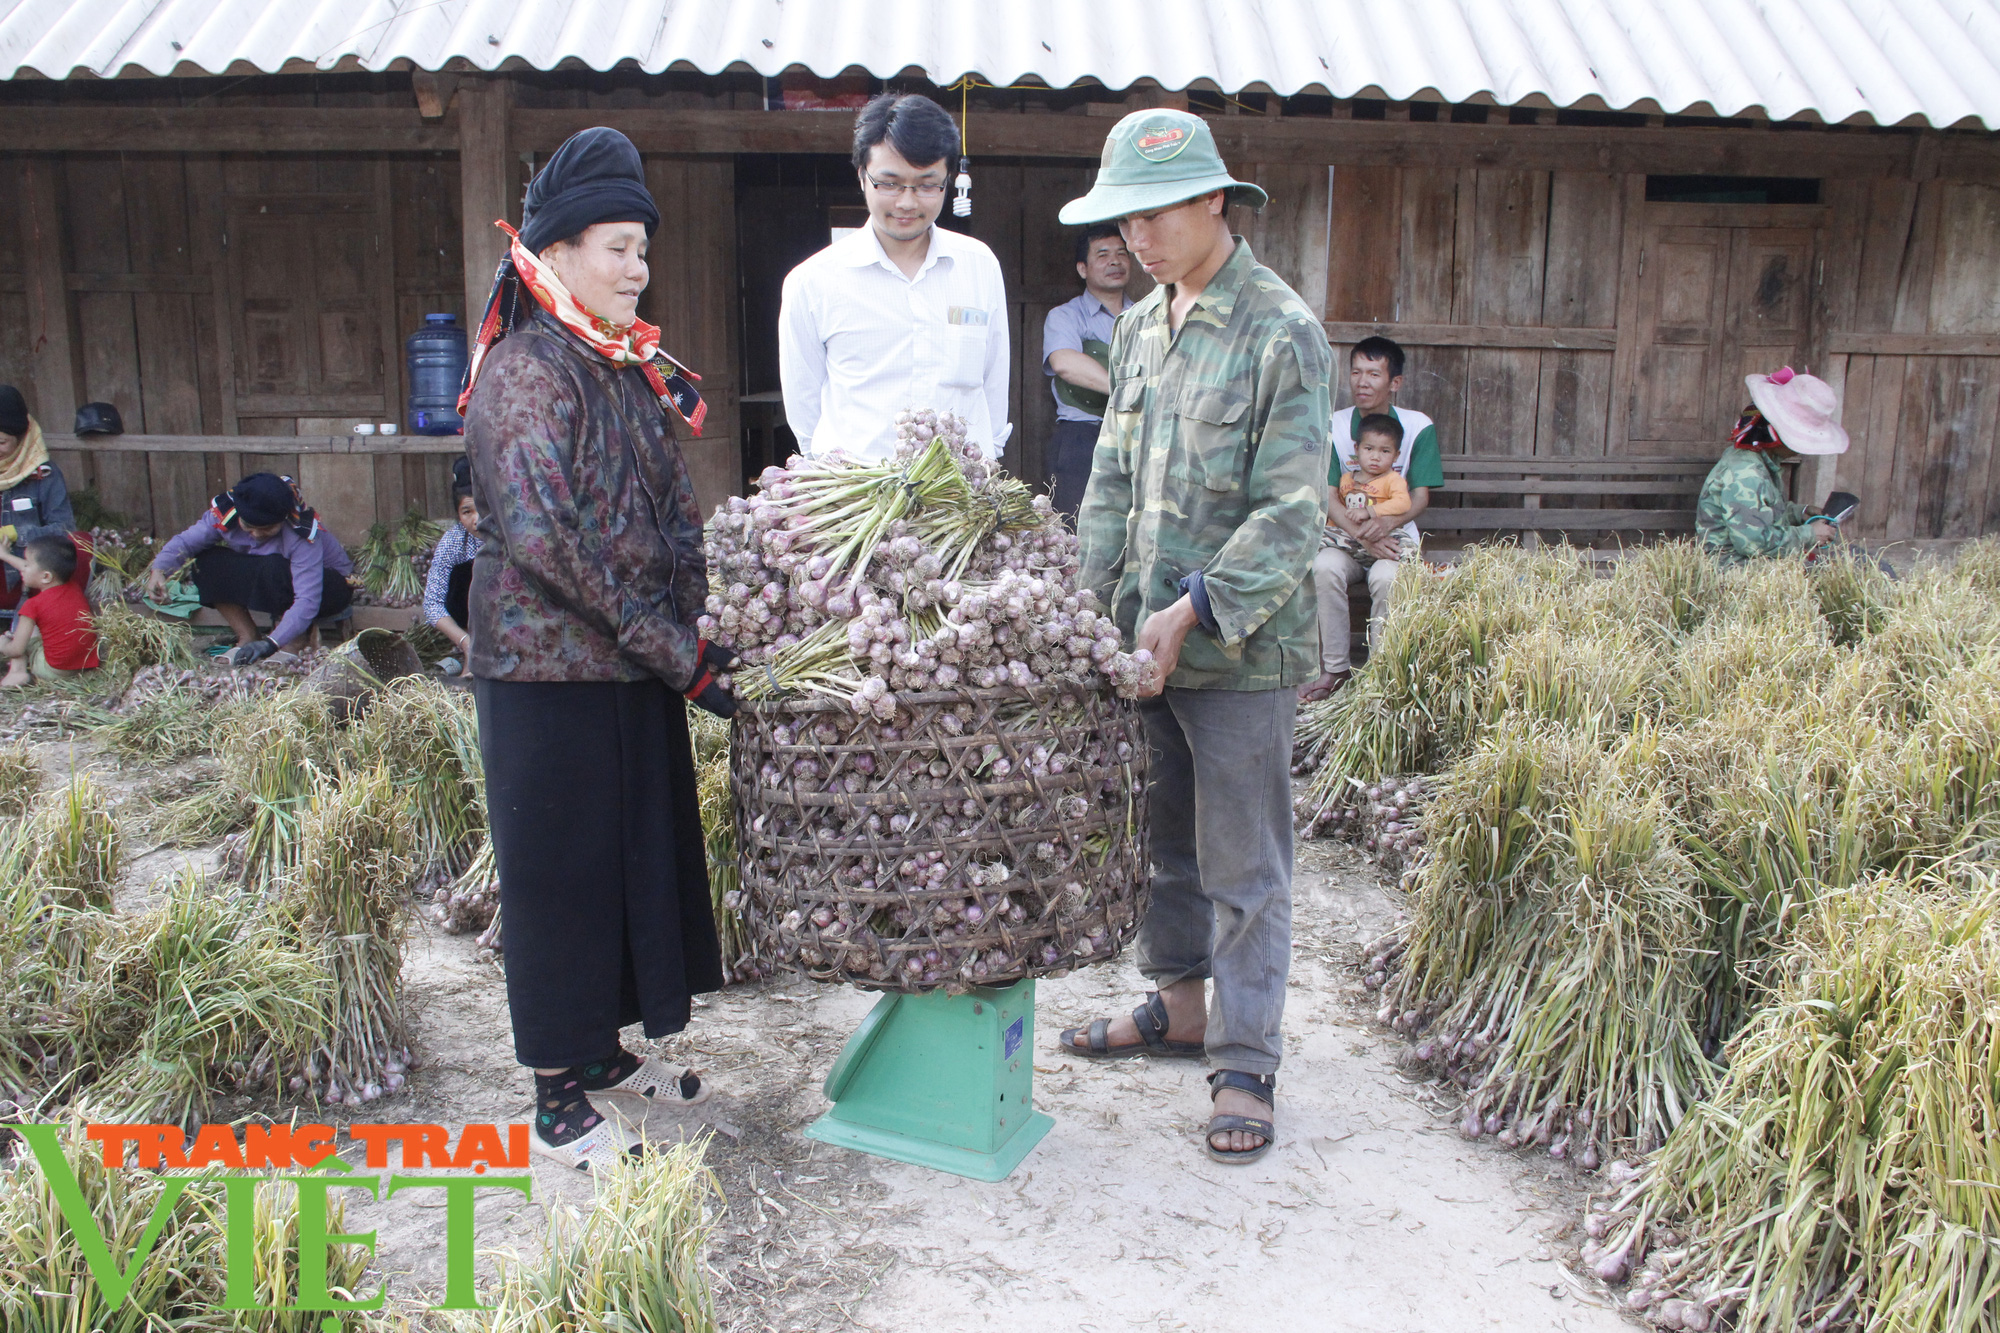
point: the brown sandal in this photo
(1092, 1043)
(1264, 1087)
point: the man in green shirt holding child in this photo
(1375, 375)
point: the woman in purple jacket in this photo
(260, 548)
(585, 591)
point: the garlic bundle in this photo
(1383, 819)
(933, 571)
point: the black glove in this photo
(251, 653)
(704, 691)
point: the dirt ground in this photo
(1371, 1213)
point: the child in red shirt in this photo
(52, 635)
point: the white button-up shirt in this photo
(858, 342)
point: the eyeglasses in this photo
(928, 190)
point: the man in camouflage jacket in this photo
(1199, 525)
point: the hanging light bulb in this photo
(961, 204)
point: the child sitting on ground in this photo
(1373, 489)
(448, 587)
(52, 637)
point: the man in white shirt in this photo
(901, 314)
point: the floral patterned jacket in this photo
(591, 566)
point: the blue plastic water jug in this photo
(437, 356)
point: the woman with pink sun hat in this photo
(1743, 514)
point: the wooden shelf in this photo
(259, 444)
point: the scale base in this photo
(943, 1081)
(937, 1156)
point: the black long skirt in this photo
(590, 796)
(458, 595)
(225, 575)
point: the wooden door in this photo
(309, 277)
(1014, 212)
(1770, 306)
(1718, 293)
(1683, 301)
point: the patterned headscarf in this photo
(1753, 431)
(29, 456)
(634, 344)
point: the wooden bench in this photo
(1589, 495)
(1557, 495)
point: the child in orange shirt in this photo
(1374, 486)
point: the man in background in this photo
(1076, 356)
(901, 314)
(1375, 375)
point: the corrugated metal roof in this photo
(1892, 61)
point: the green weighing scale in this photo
(943, 1081)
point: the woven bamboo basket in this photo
(981, 837)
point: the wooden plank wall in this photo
(1507, 270)
(159, 327)
(1906, 315)
(149, 308)
(692, 297)
(1471, 249)
(1920, 260)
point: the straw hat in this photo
(1803, 410)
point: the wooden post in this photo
(208, 225)
(1625, 359)
(485, 182)
(395, 392)
(51, 334)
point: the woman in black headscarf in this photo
(585, 591)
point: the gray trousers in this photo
(1221, 823)
(1334, 571)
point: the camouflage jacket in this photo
(1213, 458)
(1743, 513)
(590, 566)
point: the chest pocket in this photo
(1129, 393)
(1212, 437)
(964, 356)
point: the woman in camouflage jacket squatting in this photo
(1742, 514)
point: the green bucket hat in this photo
(1153, 159)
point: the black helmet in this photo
(99, 419)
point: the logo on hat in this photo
(1159, 140)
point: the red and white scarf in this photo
(634, 344)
